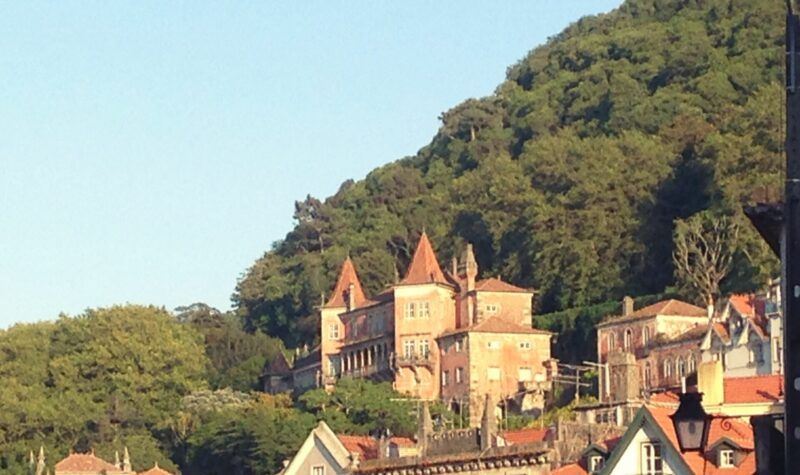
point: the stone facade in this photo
(668, 340)
(435, 334)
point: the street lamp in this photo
(691, 422)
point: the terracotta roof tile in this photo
(367, 447)
(671, 307)
(424, 267)
(156, 470)
(744, 304)
(498, 325)
(347, 276)
(722, 331)
(753, 389)
(524, 436)
(495, 284)
(84, 463)
(570, 469)
(704, 463)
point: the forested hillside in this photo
(165, 386)
(570, 176)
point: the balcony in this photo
(401, 361)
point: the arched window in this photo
(691, 364)
(681, 367)
(648, 374)
(645, 335)
(667, 368)
(628, 342)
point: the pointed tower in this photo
(470, 268)
(424, 268)
(40, 465)
(347, 295)
(126, 461)
(425, 429)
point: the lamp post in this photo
(691, 423)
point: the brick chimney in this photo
(627, 306)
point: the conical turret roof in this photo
(346, 277)
(424, 268)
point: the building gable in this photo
(644, 427)
(321, 447)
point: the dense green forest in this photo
(570, 176)
(162, 385)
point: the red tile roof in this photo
(498, 325)
(753, 389)
(424, 267)
(722, 331)
(736, 430)
(347, 276)
(367, 447)
(495, 284)
(570, 469)
(156, 470)
(744, 304)
(671, 307)
(84, 463)
(524, 436)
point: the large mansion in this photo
(435, 334)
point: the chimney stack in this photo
(710, 383)
(627, 306)
(351, 297)
(488, 424)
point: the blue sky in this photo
(151, 151)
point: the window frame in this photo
(494, 370)
(318, 470)
(652, 458)
(722, 461)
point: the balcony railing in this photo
(413, 360)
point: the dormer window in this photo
(726, 459)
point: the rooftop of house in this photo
(496, 284)
(738, 390)
(424, 267)
(497, 325)
(535, 453)
(367, 447)
(671, 308)
(156, 470)
(524, 436)
(85, 463)
(341, 293)
(735, 430)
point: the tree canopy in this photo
(570, 177)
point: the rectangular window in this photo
(458, 345)
(318, 470)
(524, 345)
(493, 373)
(652, 464)
(595, 463)
(491, 309)
(445, 378)
(424, 309)
(525, 374)
(408, 349)
(333, 331)
(410, 310)
(726, 458)
(776, 354)
(493, 345)
(424, 349)
(459, 375)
